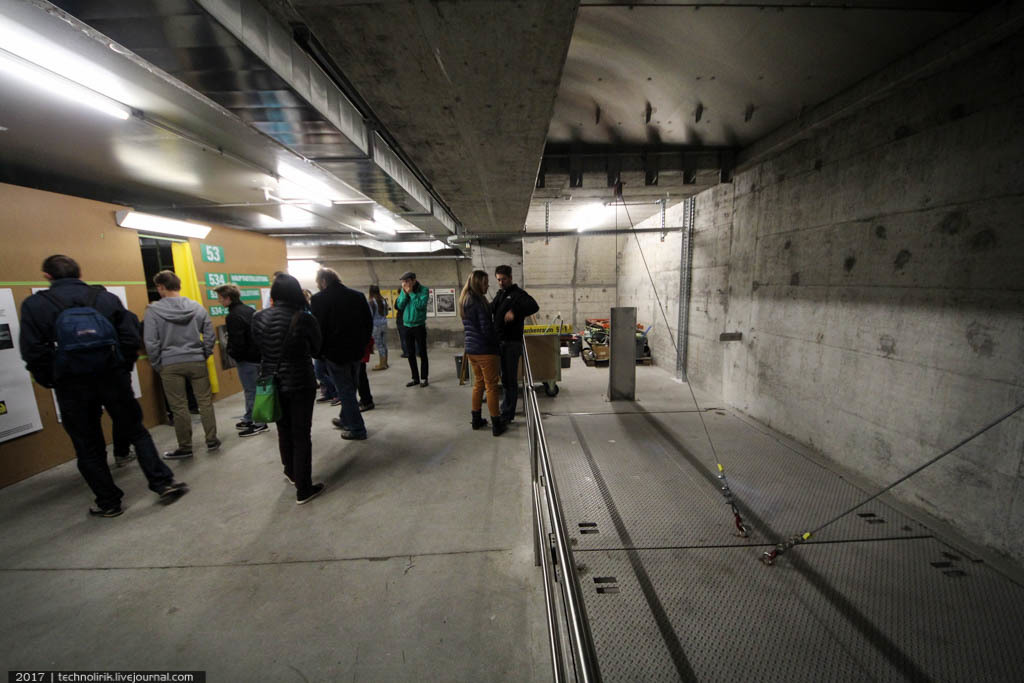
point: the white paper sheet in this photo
(19, 413)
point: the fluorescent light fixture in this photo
(56, 84)
(164, 226)
(303, 269)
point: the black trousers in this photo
(417, 339)
(364, 385)
(294, 440)
(81, 402)
(510, 353)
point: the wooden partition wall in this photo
(35, 224)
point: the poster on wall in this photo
(430, 303)
(121, 294)
(264, 297)
(444, 300)
(19, 414)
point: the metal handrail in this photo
(580, 639)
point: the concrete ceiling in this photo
(668, 92)
(466, 88)
(472, 98)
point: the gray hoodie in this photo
(172, 329)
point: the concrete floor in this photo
(415, 564)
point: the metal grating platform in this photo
(673, 593)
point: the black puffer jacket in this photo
(289, 353)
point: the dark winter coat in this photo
(345, 321)
(521, 304)
(241, 346)
(289, 354)
(481, 338)
(38, 326)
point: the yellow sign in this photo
(390, 295)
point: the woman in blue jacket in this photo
(481, 350)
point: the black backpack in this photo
(86, 340)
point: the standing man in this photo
(179, 338)
(346, 326)
(412, 305)
(81, 342)
(511, 306)
(243, 350)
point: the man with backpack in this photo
(81, 342)
(179, 338)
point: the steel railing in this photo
(552, 552)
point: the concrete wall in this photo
(574, 276)
(875, 266)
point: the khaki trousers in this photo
(173, 378)
(486, 372)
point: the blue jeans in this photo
(380, 338)
(346, 379)
(327, 389)
(248, 373)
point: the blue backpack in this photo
(87, 342)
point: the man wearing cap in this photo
(412, 306)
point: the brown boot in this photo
(383, 361)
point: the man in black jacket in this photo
(82, 392)
(242, 349)
(346, 325)
(511, 306)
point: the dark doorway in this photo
(156, 256)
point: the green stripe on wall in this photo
(46, 283)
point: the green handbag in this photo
(266, 407)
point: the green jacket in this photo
(413, 306)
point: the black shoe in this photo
(335, 401)
(212, 446)
(424, 383)
(363, 407)
(115, 511)
(349, 435)
(253, 429)
(336, 421)
(498, 426)
(405, 355)
(313, 493)
(412, 383)
(289, 479)
(324, 399)
(508, 417)
(178, 454)
(242, 425)
(477, 422)
(175, 488)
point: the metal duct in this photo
(234, 53)
(403, 248)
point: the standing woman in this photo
(481, 350)
(379, 309)
(287, 337)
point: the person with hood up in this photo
(179, 338)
